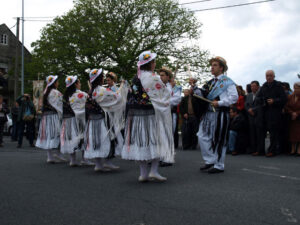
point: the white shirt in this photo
(175, 96)
(228, 97)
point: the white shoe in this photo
(156, 177)
(51, 161)
(142, 179)
(73, 164)
(111, 166)
(101, 169)
(87, 163)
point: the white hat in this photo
(146, 57)
(94, 73)
(70, 80)
(51, 79)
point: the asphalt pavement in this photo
(252, 191)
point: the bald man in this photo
(272, 99)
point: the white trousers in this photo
(174, 122)
(206, 135)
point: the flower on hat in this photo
(94, 71)
(50, 79)
(146, 56)
(95, 94)
(69, 79)
(144, 95)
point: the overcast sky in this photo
(251, 38)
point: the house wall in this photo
(7, 62)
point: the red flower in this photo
(157, 86)
(94, 94)
(80, 95)
(108, 89)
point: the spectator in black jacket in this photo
(26, 119)
(14, 116)
(3, 118)
(237, 132)
(272, 98)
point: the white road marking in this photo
(290, 217)
(271, 174)
(269, 167)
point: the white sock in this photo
(82, 157)
(144, 169)
(109, 162)
(72, 158)
(98, 163)
(50, 155)
(154, 166)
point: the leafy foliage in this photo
(112, 33)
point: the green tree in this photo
(112, 33)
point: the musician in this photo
(213, 128)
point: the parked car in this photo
(8, 125)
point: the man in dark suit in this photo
(190, 123)
(272, 98)
(255, 120)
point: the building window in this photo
(4, 39)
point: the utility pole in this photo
(22, 89)
(17, 61)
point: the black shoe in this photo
(32, 145)
(1, 145)
(206, 166)
(215, 170)
(164, 164)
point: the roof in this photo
(5, 27)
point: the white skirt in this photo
(49, 130)
(140, 136)
(70, 136)
(96, 139)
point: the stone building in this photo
(8, 48)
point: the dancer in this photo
(167, 78)
(111, 79)
(117, 139)
(213, 128)
(148, 129)
(73, 125)
(49, 129)
(97, 135)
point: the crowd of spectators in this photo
(268, 110)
